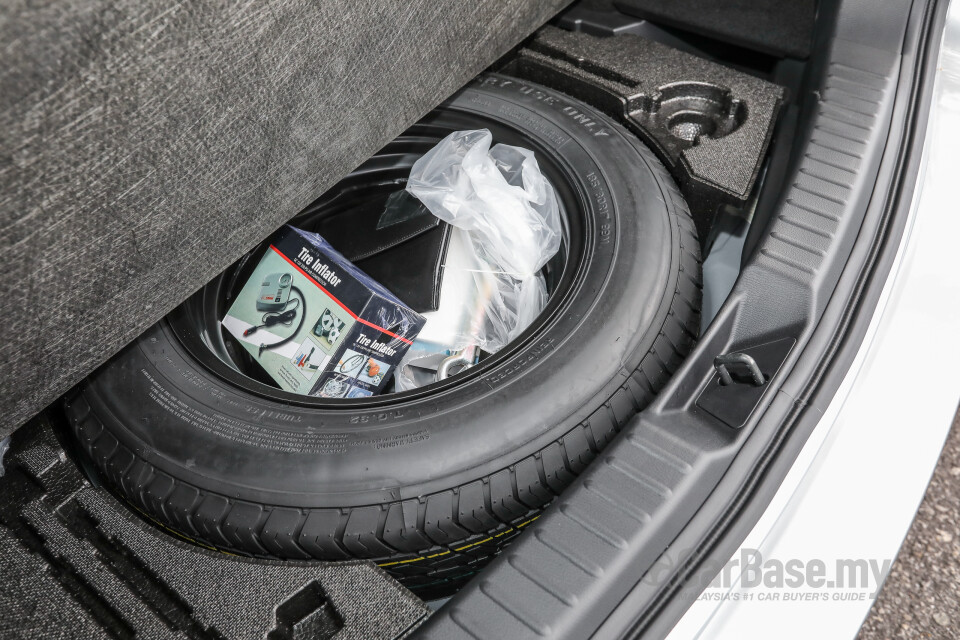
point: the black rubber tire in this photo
(430, 486)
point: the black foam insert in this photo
(710, 124)
(78, 564)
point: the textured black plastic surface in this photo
(708, 123)
(77, 564)
(674, 465)
(771, 26)
(733, 403)
(905, 35)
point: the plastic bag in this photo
(508, 215)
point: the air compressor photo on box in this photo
(316, 323)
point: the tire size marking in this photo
(603, 207)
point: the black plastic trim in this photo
(834, 346)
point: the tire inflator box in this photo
(316, 323)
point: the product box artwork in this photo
(316, 323)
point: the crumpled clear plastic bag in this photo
(508, 211)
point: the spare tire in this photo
(430, 483)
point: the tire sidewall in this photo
(193, 425)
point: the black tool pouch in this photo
(402, 246)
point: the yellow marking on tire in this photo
(473, 544)
(463, 548)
